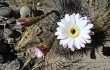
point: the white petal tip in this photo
(72, 49)
(91, 33)
(78, 47)
(82, 45)
(88, 41)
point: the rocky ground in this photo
(17, 44)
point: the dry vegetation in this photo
(58, 58)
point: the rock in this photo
(2, 67)
(10, 40)
(25, 11)
(5, 11)
(13, 65)
(106, 51)
(2, 18)
(18, 28)
(17, 14)
(39, 4)
(1, 26)
(15, 34)
(11, 20)
(7, 32)
(33, 9)
(4, 4)
(39, 13)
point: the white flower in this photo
(74, 31)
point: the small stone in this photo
(4, 4)
(33, 9)
(38, 4)
(7, 32)
(2, 67)
(15, 34)
(1, 26)
(13, 65)
(25, 11)
(5, 11)
(10, 40)
(39, 13)
(11, 20)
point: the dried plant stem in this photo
(48, 43)
(37, 64)
(27, 36)
(25, 64)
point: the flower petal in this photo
(60, 29)
(58, 33)
(60, 24)
(91, 33)
(86, 36)
(84, 18)
(82, 41)
(62, 36)
(67, 17)
(82, 45)
(82, 22)
(85, 31)
(77, 44)
(72, 19)
(89, 26)
(72, 49)
(70, 43)
(88, 41)
(77, 17)
(64, 42)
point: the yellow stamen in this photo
(73, 31)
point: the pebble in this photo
(7, 32)
(11, 20)
(10, 40)
(1, 26)
(25, 11)
(4, 4)
(5, 11)
(2, 67)
(39, 13)
(13, 65)
(39, 4)
(15, 34)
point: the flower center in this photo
(73, 31)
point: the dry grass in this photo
(99, 14)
